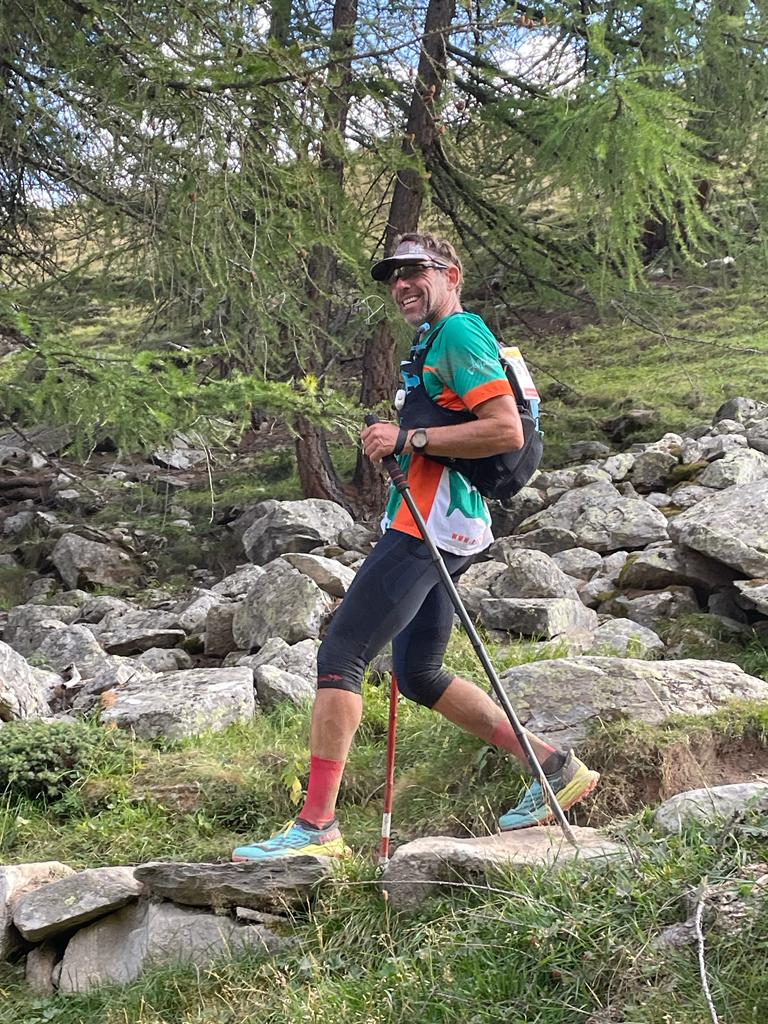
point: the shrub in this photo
(43, 759)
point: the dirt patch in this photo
(629, 785)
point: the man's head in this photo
(424, 276)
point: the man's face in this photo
(423, 293)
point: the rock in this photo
(728, 427)
(118, 948)
(664, 566)
(193, 612)
(619, 466)
(71, 645)
(579, 450)
(50, 440)
(239, 582)
(73, 901)
(737, 468)
(111, 671)
(183, 453)
(531, 574)
(543, 617)
(482, 574)
(164, 659)
(579, 562)
(16, 880)
(654, 607)
(724, 444)
(275, 686)
(548, 539)
(177, 704)
(561, 480)
(710, 805)
(82, 561)
(755, 593)
(708, 527)
(687, 495)
(22, 695)
(629, 422)
(651, 470)
(332, 577)
(627, 523)
(658, 499)
(260, 885)
(39, 969)
(29, 521)
(613, 565)
(25, 629)
(295, 526)
(136, 631)
(96, 608)
(219, 639)
(357, 538)
(283, 602)
(596, 591)
(564, 513)
(757, 436)
(421, 868)
(623, 638)
(739, 409)
(506, 518)
(564, 698)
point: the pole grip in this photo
(389, 462)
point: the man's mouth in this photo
(407, 303)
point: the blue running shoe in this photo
(571, 783)
(297, 839)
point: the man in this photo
(397, 594)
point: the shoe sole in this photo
(307, 851)
(550, 819)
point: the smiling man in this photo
(456, 382)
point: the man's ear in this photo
(454, 276)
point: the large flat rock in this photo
(421, 868)
(268, 885)
(564, 698)
(74, 901)
(731, 526)
(185, 703)
(119, 947)
(718, 803)
(16, 880)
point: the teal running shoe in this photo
(573, 782)
(297, 839)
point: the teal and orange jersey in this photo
(462, 370)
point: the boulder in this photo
(119, 947)
(564, 513)
(178, 704)
(582, 563)
(160, 659)
(624, 524)
(137, 630)
(754, 594)
(531, 574)
(743, 467)
(331, 576)
(29, 624)
(87, 562)
(238, 583)
(193, 611)
(106, 674)
(718, 803)
(260, 885)
(283, 602)
(71, 645)
(542, 617)
(16, 880)
(39, 968)
(619, 466)
(428, 865)
(22, 694)
(651, 470)
(708, 527)
(219, 639)
(96, 608)
(653, 607)
(564, 698)
(507, 517)
(757, 435)
(739, 409)
(548, 539)
(715, 447)
(295, 526)
(276, 686)
(73, 901)
(623, 638)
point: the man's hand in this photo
(379, 440)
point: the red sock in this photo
(323, 788)
(504, 736)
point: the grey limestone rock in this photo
(79, 560)
(29, 624)
(506, 518)
(743, 467)
(219, 639)
(531, 574)
(564, 698)
(708, 527)
(177, 704)
(564, 513)
(163, 659)
(237, 584)
(22, 694)
(653, 607)
(754, 594)
(623, 638)
(548, 539)
(651, 470)
(193, 611)
(283, 602)
(739, 409)
(260, 885)
(626, 523)
(294, 526)
(619, 466)
(96, 608)
(74, 900)
(582, 563)
(757, 435)
(71, 645)
(423, 867)
(119, 947)
(714, 447)
(276, 686)
(710, 805)
(331, 576)
(16, 880)
(40, 966)
(137, 630)
(543, 617)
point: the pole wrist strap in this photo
(402, 437)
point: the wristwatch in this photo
(419, 440)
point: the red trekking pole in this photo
(389, 786)
(402, 486)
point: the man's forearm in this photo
(474, 440)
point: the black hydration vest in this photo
(495, 476)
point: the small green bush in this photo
(43, 759)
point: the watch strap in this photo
(402, 437)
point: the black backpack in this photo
(495, 476)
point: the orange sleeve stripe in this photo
(491, 389)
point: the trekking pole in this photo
(389, 786)
(402, 486)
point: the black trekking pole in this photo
(402, 486)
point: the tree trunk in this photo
(379, 371)
(315, 466)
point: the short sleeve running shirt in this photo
(462, 370)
